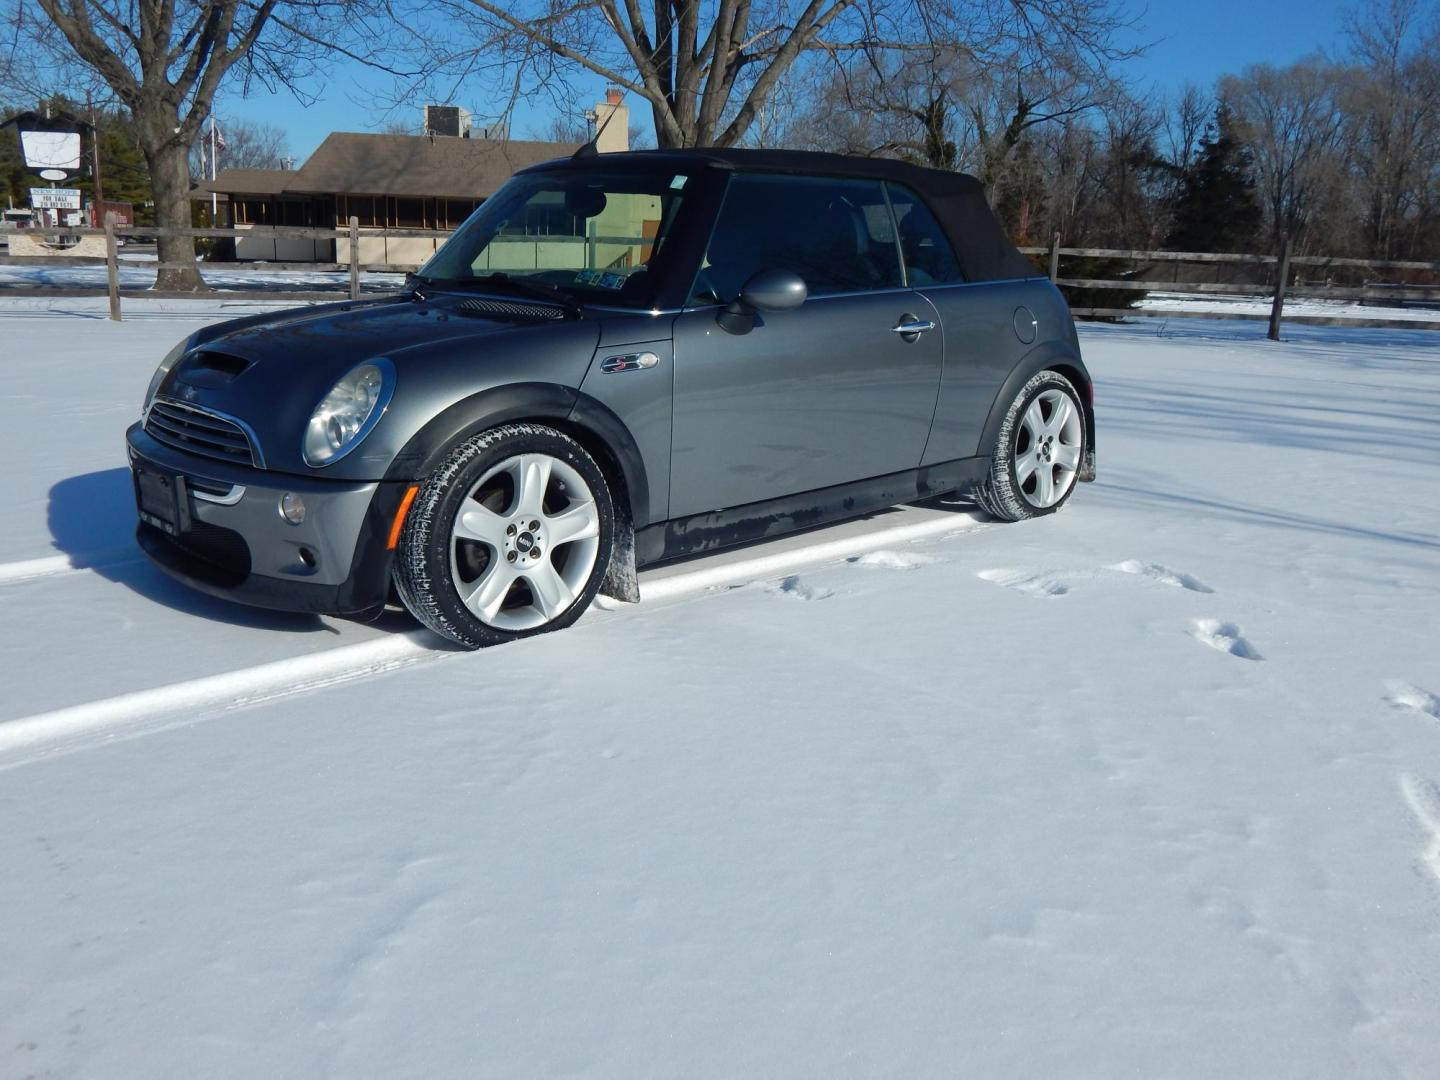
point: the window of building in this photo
(407, 213)
(251, 211)
(292, 212)
(367, 209)
(454, 212)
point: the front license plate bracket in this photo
(163, 500)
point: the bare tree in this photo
(249, 144)
(1391, 101)
(707, 68)
(164, 60)
(1184, 124)
(1291, 120)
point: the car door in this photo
(824, 394)
(988, 328)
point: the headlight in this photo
(171, 359)
(347, 413)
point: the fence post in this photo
(1055, 258)
(112, 266)
(1282, 278)
(354, 258)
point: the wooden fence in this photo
(1279, 288)
(347, 240)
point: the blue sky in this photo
(1192, 42)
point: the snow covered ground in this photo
(138, 272)
(1259, 306)
(1145, 789)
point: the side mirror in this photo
(766, 291)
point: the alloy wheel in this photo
(524, 542)
(1048, 443)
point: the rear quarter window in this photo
(929, 258)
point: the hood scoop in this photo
(211, 369)
(510, 310)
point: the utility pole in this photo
(99, 193)
(214, 175)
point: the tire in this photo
(510, 537)
(1037, 455)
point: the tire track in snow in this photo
(212, 694)
(13, 573)
(727, 571)
(224, 692)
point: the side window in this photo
(929, 259)
(836, 234)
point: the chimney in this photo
(612, 121)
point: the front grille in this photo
(511, 309)
(199, 431)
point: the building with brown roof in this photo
(386, 182)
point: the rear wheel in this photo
(1036, 457)
(509, 537)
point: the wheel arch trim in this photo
(1053, 356)
(602, 433)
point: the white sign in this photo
(55, 198)
(51, 149)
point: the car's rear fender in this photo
(1052, 356)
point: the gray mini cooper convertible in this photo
(617, 360)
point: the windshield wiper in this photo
(537, 289)
(414, 283)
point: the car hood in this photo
(342, 334)
(271, 370)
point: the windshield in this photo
(589, 232)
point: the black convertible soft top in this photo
(956, 199)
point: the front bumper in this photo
(236, 545)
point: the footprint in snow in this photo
(1224, 637)
(1162, 574)
(1044, 585)
(800, 590)
(1424, 800)
(890, 560)
(1404, 696)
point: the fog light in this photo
(292, 508)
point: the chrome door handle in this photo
(913, 326)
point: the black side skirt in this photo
(718, 529)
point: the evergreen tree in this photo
(1216, 208)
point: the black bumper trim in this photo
(363, 594)
(253, 590)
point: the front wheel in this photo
(509, 537)
(1036, 457)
